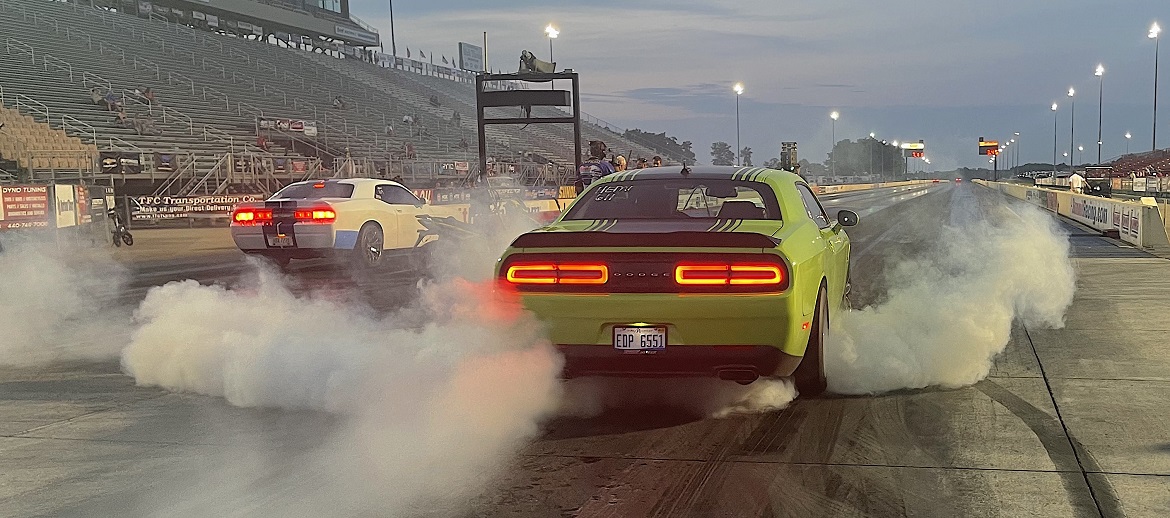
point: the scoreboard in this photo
(988, 147)
(914, 149)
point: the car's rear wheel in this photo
(368, 250)
(810, 374)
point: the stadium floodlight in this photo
(552, 33)
(1154, 31)
(834, 115)
(738, 88)
(1054, 121)
(1128, 136)
(1100, 73)
(1072, 125)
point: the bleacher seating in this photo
(1151, 163)
(211, 89)
(31, 144)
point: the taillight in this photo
(729, 274)
(248, 217)
(320, 215)
(558, 273)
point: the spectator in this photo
(463, 144)
(149, 96)
(95, 94)
(642, 164)
(121, 120)
(338, 103)
(111, 101)
(594, 168)
(148, 127)
(389, 130)
(138, 94)
(455, 119)
(262, 142)
(408, 147)
(657, 162)
(435, 101)
(1076, 183)
(398, 179)
(619, 163)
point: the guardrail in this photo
(70, 123)
(171, 113)
(212, 66)
(91, 79)
(172, 77)
(57, 64)
(226, 101)
(147, 65)
(1136, 222)
(32, 105)
(13, 43)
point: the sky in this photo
(944, 71)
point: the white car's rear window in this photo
(312, 191)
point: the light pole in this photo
(1072, 126)
(869, 144)
(552, 33)
(898, 148)
(1154, 30)
(1127, 137)
(834, 116)
(1081, 148)
(738, 150)
(1054, 121)
(1100, 73)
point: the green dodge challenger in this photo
(675, 271)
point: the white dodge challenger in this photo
(368, 220)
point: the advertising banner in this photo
(65, 203)
(120, 162)
(470, 57)
(165, 162)
(153, 208)
(24, 206)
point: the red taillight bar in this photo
(247, 217)
(558, 273)
(725, 274)
(320, 215)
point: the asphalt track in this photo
(1071, 422)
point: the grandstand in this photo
(232, 113)
(1150, 163)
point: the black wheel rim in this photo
(372, 246)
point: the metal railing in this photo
(233, 53)
(242, 107)
(186, 169)
(33, 105)
(171, 113)
(89, 79)
(143, 63)
(226, 101)
(103, 47)
(212, 66)
(20, 46)
(172, 77)
(57, 64)
(70, 123)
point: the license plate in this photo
(639, 338)
(280, 241)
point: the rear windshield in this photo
(678, 199)
(312, 191)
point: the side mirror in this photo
(846, 218)
(421, 202)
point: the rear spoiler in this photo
(655, 239)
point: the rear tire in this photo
(368, 249)
(128, 239)
(810, 374)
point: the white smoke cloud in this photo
(432, 400)
(948, 313)
(57, 302)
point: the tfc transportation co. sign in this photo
(150, 208)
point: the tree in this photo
(772, 163)
(852, 157)
(721, 154)
(668, 146)
(746, 153)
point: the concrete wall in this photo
(1141, 223)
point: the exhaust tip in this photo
(741, 376)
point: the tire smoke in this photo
(590, 397)
(56, 303)
(950, 312)
(430, 400)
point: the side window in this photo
(395, 195)
(813, 207)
